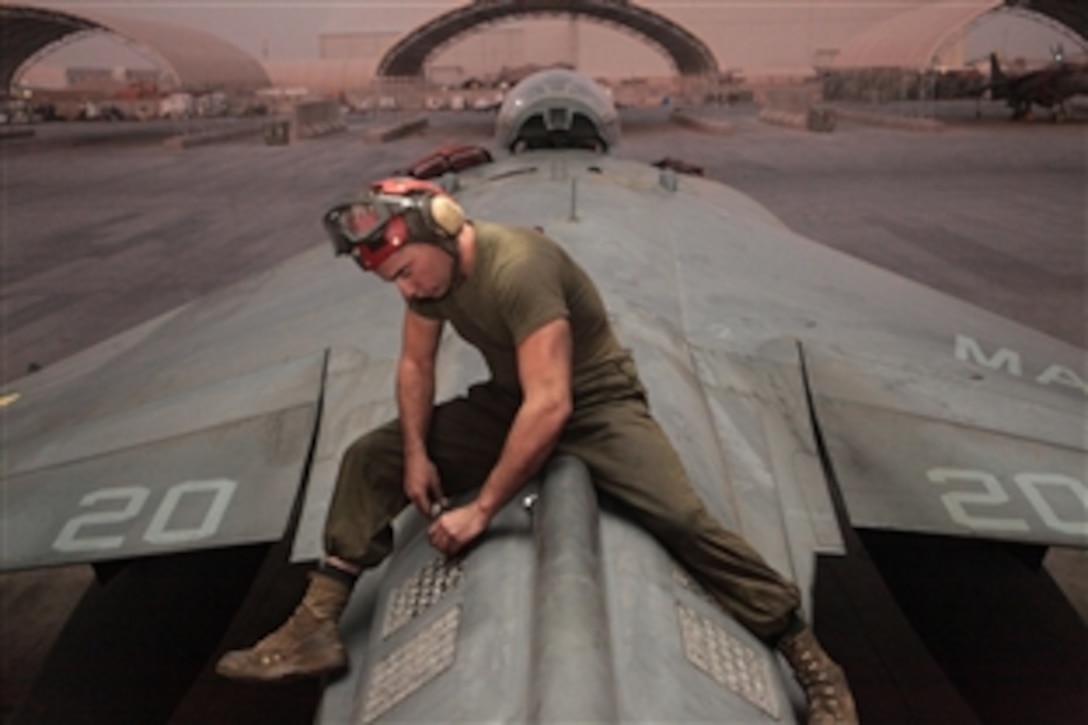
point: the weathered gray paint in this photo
(572, 674)
(710, 299)
(251, 433)
(489, 677)
(707, 306)
(728, 314)
(565, 614)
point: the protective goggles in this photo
(369, 230)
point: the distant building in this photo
(45, 76)
(99, 79)
(321, 77)
(105, 79)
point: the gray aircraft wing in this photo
(191, 431)
(197, 429)
(759, 348)
(938, 416)
(784, 373)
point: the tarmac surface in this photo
(103, 227)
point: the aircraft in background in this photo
(834, 413)
(1048, 87)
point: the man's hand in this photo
(422, 485)
(456, 529)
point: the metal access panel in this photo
(679, 657)
(436, 640)
(417, 594)
(727, 660)
(408, 668)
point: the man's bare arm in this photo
(544, 368)
(415, 403)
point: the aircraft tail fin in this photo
(998, 86)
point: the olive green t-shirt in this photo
(520, 281)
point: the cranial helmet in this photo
(390, 214)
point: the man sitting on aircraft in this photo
(560, 383)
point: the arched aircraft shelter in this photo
(1073, 14)
(690, 55)
(201, 61)
(198, 61)
(915, 38)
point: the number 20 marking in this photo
(993, 493)
(71, 539)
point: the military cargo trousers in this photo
(627, 454)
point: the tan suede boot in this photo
(308, 644)
(825, 685)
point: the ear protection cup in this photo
(432, 214)
(443, 215)
(434, 218)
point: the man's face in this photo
(420, 271)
